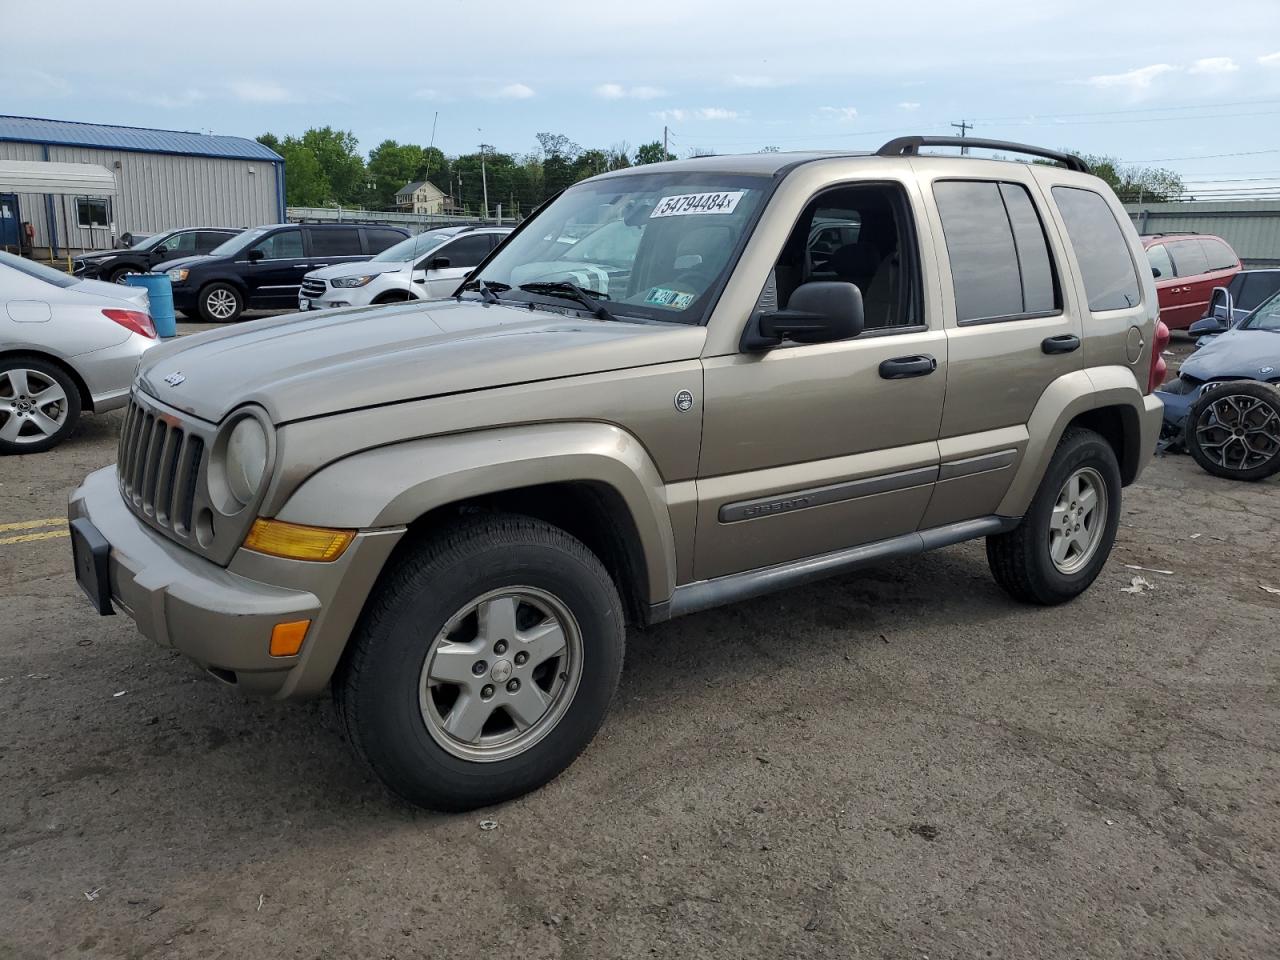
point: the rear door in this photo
(1222, 265)
(330, 245)
(1186, 300)
(1012, 329)
(273, 279)
(462, 256)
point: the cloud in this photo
(616, 91)
(513, 91)
(34, 85)
(430, 93)
(171, 101)
(253, 91)
(756, 82)
(843, 114)
(679, 115)
(1270, 59)
(1214, 65)
(908, 105)
(1135, 81)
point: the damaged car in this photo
(1224, 405)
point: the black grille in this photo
(158, 466)
(313, 288)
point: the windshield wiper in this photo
(488, 289)
(591, 299)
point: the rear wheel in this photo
(1064, 540)
(1233, 430)
(39, 405)
(118, 275)
(220, 303)
(484, 664)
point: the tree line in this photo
(324, 167)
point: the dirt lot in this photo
(901, 763)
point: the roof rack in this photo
(910, 147)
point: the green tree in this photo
(392, 165)
(1132, 183)
(337, 152)
(305, 184)
(270, 141)
(652, 153)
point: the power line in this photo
(1206, 156)
(1108, 113)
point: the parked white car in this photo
(67, 346)
(426, 267)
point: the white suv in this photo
(425, 267)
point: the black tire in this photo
(220, 293)
(398, 296)
(1215, 417)
(1020, 560)
(27, 441)
(118, 275)
(376, 689)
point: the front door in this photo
(462, 256)
(810, 448)
(275, 269)
(9, 223)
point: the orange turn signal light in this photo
(286, 638)
(294, 541)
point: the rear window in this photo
(37, 271)
(1000, 263)
(1188, 257)
(338, 242)
(1110, 281)
(1218, 254)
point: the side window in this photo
(206, 240)
(339, 242)
(1161, 265)
(1218, 254)
(1256, 288)
(380, 239)
(1188, 258)
(1000, 263)
(1110, 281)
(180, 244)
(466, 251)
(285, 245)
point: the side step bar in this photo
(705, 594)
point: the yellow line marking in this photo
(28, 537)
(32, 524)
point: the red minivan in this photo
(1187, 266)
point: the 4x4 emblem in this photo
(684, 401)
(174, 379)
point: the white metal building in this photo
(163, 179)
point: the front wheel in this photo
(1064, 540)
(220, 303)
(39, 405)
(1233, 430)
(484, 664)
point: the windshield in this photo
(411, 249)
(153, 241)
(37, 271)
(1265, 317)
(238, 242)
(654, 245)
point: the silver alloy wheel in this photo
(1239, 432)
(501, 674)
(1078, 521)
(33, 406)
(221, 304)
(123, 278)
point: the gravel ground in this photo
(900, 763)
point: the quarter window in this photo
(1110, 280)
(1161, 265)
(1000, 262)
(1218, 254)
(380, 239)
(338, 242)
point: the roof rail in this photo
(910, 147)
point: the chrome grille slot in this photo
(158, 468)
(313, 288)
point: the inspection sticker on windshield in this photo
(662, 297)
(691, 203)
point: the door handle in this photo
(899, 368)
(1065, 343)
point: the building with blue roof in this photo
(163, 179)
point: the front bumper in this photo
(222, 617)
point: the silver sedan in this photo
(66, 346)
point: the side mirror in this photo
(1207, 325)
(1155, 272)
(256, 255)
(440, 263)
(1221, 305)
(818, 312)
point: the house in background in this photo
(422, 197)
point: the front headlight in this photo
(246, 459)
(178, 276)
(350, 281)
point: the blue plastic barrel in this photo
(160, 290)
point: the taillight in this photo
(1159, 369)
(134, 320)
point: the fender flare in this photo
(395, 485)
(1063, 400)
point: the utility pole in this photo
(484, 177)
(963, 126)
(665, 152)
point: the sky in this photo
(1186, 85)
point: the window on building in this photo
(1110, 281)
(1000, 262)
(92, 212)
